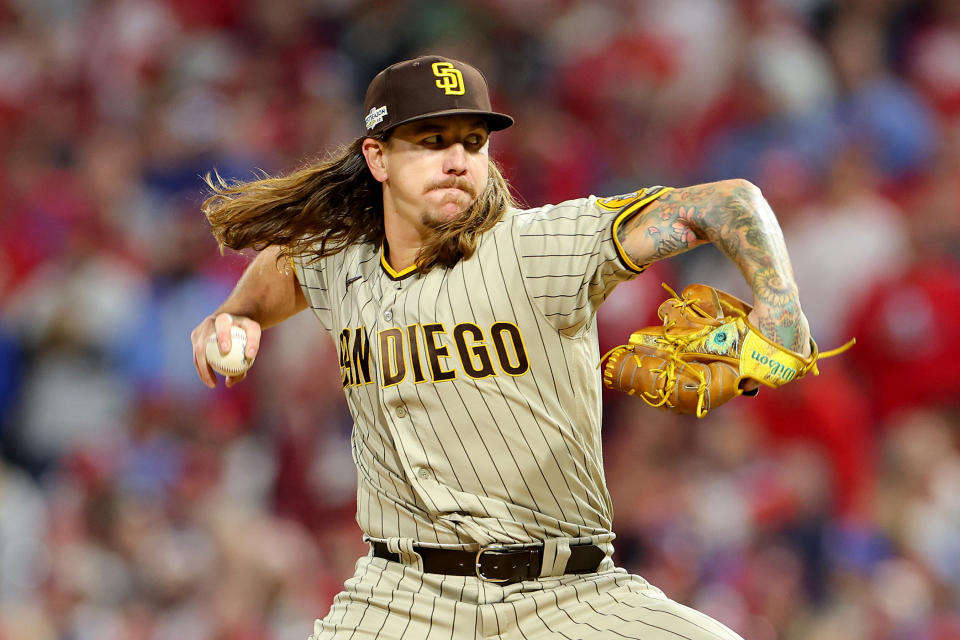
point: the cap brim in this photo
(496, 121)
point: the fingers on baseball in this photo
(222, 324)
(253, 331)
(232, 380)
(198, 337)
(207, 376)
(225, 321)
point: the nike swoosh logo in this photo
(350, 281)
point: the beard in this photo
(465, 197)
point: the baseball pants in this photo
(391, 600)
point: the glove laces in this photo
(670, 346)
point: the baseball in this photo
(235, 361)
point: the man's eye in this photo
(475, 140)
(432, 140)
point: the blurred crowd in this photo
(137, 504)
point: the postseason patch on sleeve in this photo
(615, 203)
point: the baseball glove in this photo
(702, 354)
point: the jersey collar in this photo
(390, 271)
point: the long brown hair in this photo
(322, 208)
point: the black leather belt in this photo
(496, 564)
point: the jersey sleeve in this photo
(312, 277)
(570, 256)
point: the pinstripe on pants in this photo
(393, 601)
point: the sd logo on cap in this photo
(427, 87)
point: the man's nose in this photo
(455, 159)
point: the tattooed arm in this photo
(733, 215)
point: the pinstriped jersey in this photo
(474, 389)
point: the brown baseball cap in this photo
(427, 87)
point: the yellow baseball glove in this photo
(702, 354)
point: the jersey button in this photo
(401, 412)
(388, 315)
(424, 474)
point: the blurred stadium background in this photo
(136, 504)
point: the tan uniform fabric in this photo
(475, 394)
(474, 390)
(390, 600)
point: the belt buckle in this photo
(489, 548)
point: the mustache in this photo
(453, 182)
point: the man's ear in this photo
(373, 154)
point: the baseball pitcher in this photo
(466, 329)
